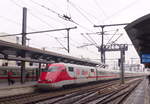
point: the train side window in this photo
(70, 69)
(92, 70)
(99, 72)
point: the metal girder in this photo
(25, 59)
(114, 47)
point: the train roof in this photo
(74, 65)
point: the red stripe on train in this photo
(102, 76)
(13, 77)
(76, 78)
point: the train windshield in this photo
(53, 69)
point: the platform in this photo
(16, 88)
(141, 95)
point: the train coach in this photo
(61, 74)
(30, 73)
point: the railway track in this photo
(99, 93)
(115, 95)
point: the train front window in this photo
(53, 68)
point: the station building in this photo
(17, 40)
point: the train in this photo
(30, 74)
(58, 75)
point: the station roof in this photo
(139, 33)
(12, 51)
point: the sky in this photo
(48, 15)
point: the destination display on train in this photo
(145, 58)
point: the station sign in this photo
(145, 58)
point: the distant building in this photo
(133, 67)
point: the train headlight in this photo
(50, 80)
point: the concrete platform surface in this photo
(17, 88)
(141, 95)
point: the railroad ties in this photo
(99, 93)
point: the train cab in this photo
(55, 75)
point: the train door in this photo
(96, 74)
(93, 74)
(72, 74)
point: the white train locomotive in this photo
(60, 74)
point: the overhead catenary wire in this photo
(65, 17)
(87, 48)
(112, 36)
(41, 13)
(63, 47)
(41, 19)
(22, 7)
(100, 8)
(75, 41)
(30, 13)
(13, 1)
(117, 39)
(87, 38)
(68, 9)
(15, 22)
(61, 15)
(61, 44)
(10, 20)
(122, 9)
(46, 8)
(70, 43)
(83, 16)
(86, 12)
(92, 39)
(73, 5)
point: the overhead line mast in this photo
(102, 44)
(24, 25)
